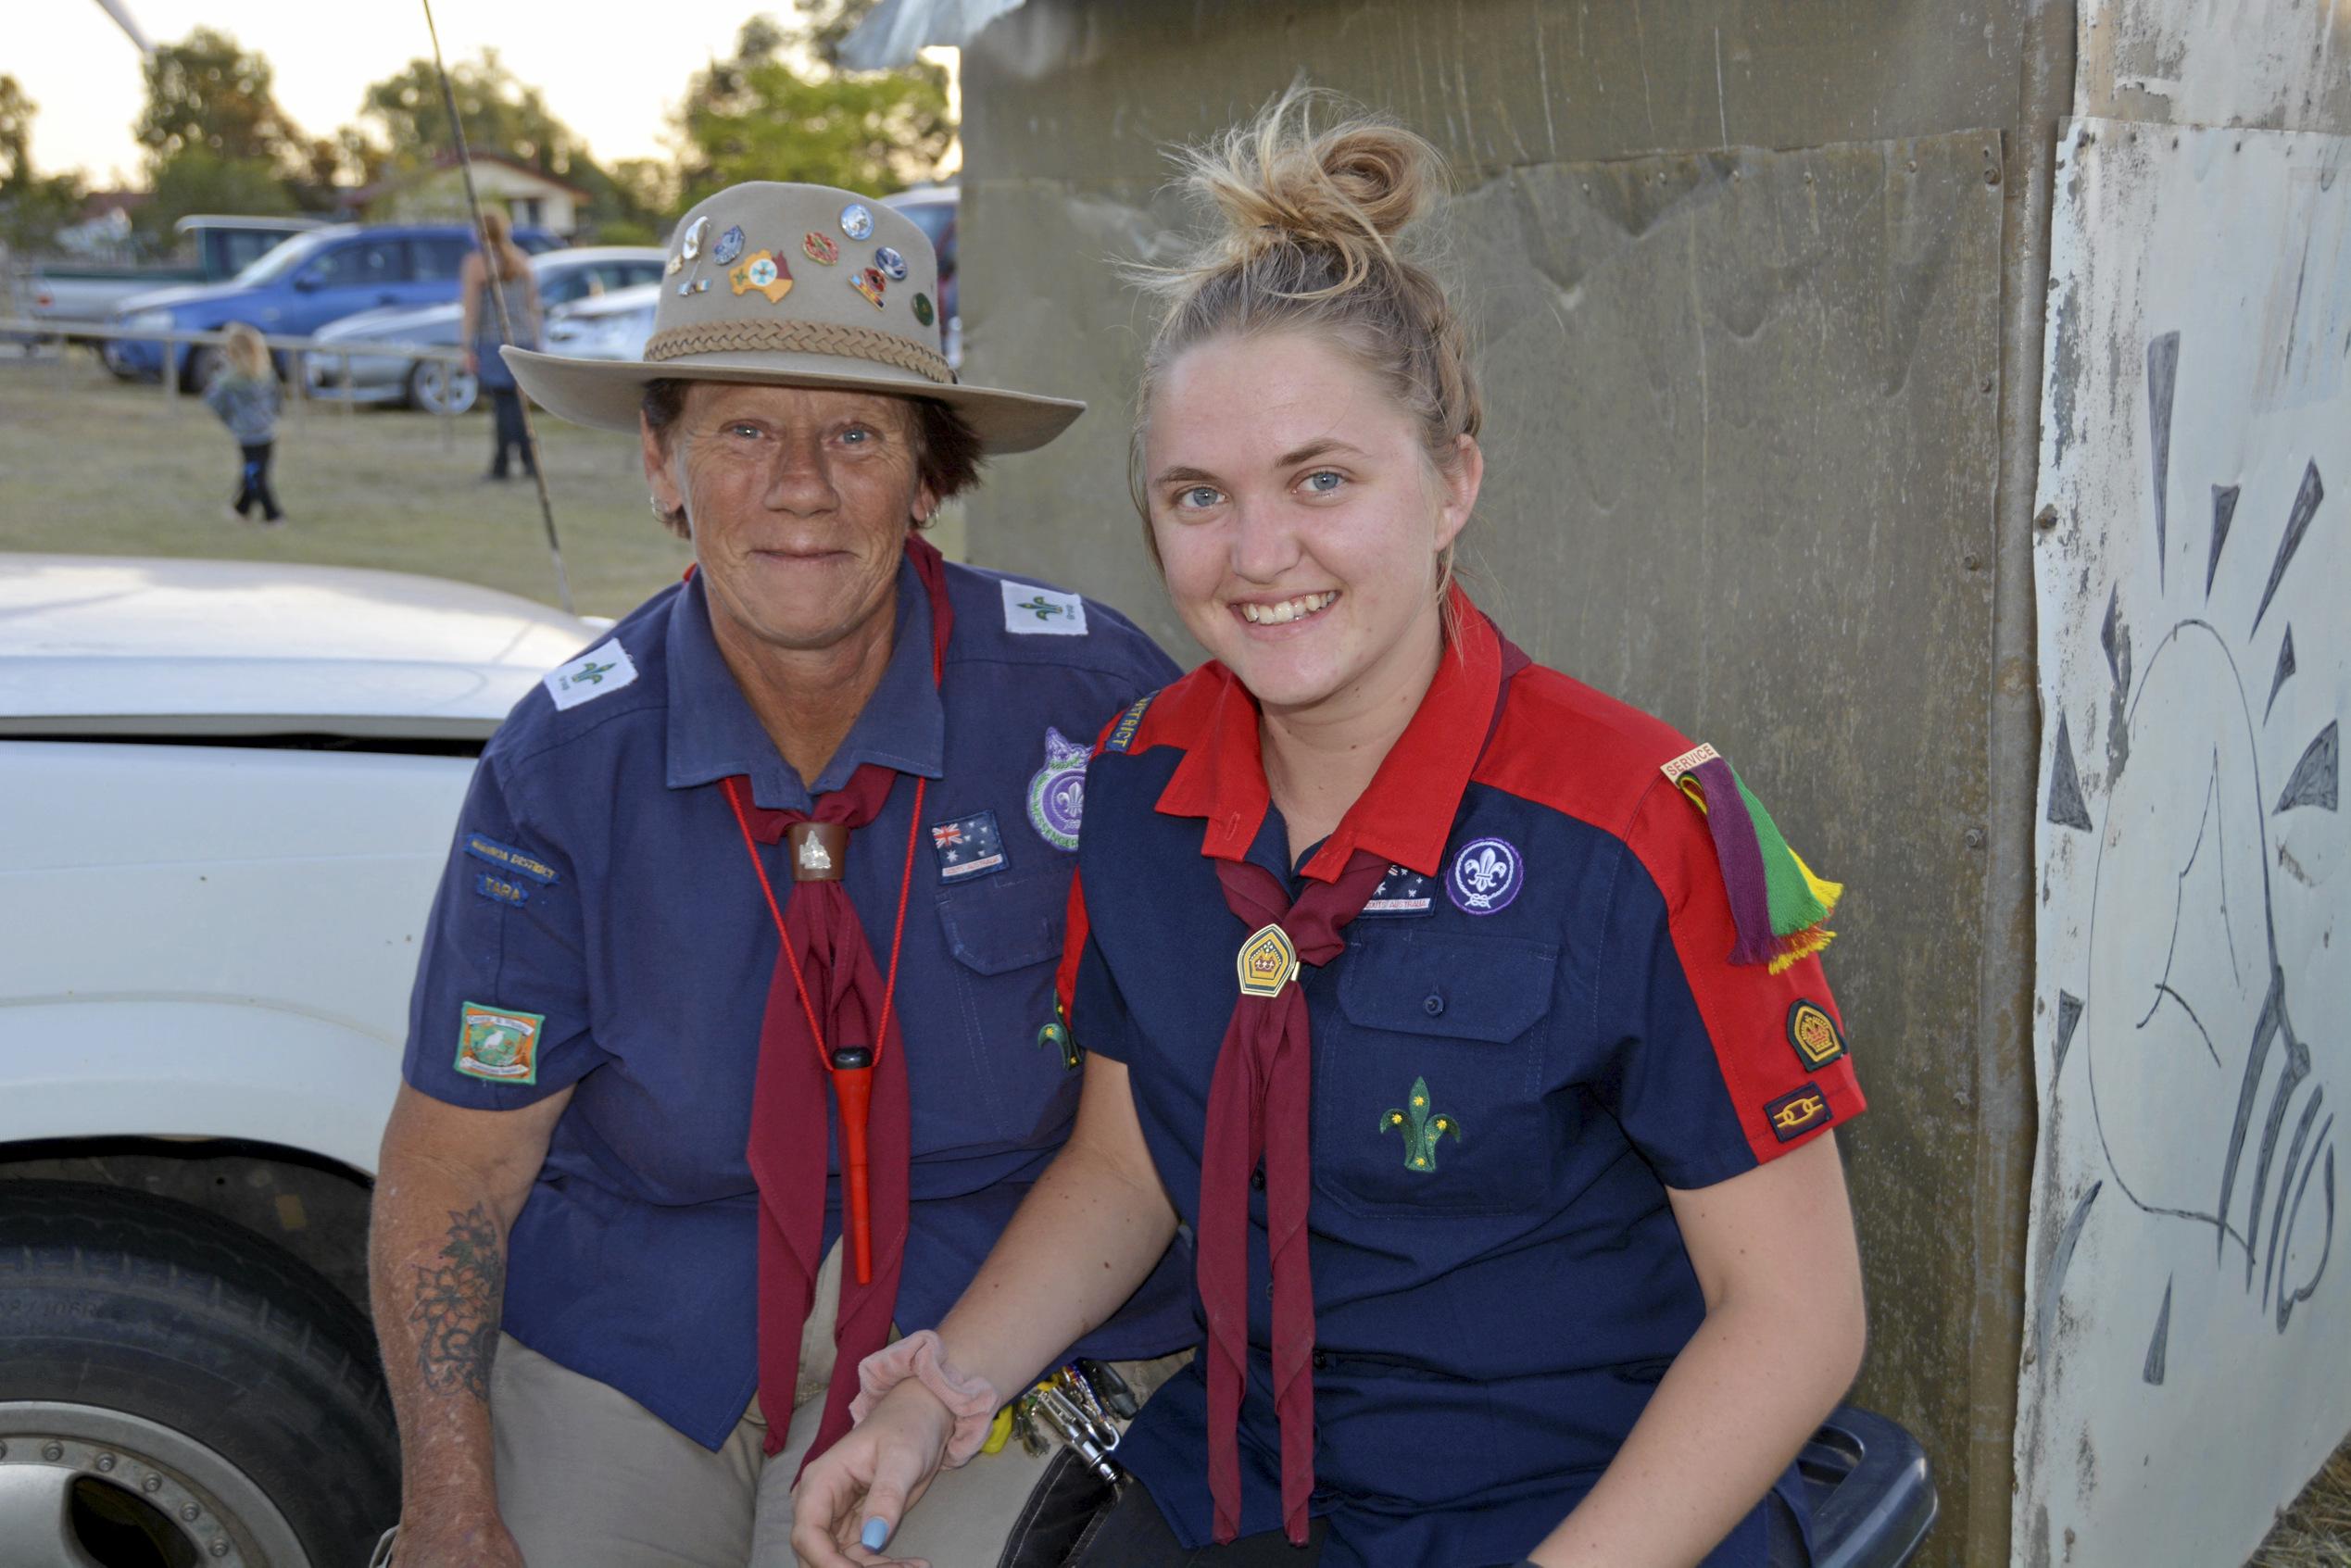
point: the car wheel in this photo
(175, 1391)
(204, 363)
(439, 387)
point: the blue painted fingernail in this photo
(876, 1532)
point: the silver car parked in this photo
(566, 278)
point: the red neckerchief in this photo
(1263, 1082)
(830, 1017)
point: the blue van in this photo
(300, 286)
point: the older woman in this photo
(746, 941)
(1469, 1017)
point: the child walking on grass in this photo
(245, 394)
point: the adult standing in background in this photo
(504, 266)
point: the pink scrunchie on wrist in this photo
(968, 1398)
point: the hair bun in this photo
(1352, 188)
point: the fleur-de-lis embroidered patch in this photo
(1422, 1126)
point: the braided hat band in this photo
(799, 337)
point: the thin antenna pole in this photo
(497, 300)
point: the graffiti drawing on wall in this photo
(2195, 670)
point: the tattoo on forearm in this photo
(457, 1307)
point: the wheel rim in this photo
(85, 1487)
(444, 389)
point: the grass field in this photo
(89, 464)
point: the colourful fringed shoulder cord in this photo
(1777, 903)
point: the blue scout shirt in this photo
(600, 926)
(1532, 1031)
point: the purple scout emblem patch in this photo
(1487, 875)
(1057, 792)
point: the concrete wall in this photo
(1751, 280)
(2186, 1368)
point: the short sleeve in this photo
(1713, 1068)
(500, 1016)
(1091, 1008)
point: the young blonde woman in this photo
(505, 268)
(244, 393)
(1469, 1019)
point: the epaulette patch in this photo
(1777, 903)
(1121, 733)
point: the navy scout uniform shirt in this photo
(1533, 1031)
(600, 925)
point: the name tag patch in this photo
(500, 1045)
(501, 890)
(1035, 612)
(509, 858)
(1122, 734)
(968, 847)
(600, 672)
(1400, 891)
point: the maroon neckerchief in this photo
(830, 1017)
(1263, 1082)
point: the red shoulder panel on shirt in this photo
(1587, 755)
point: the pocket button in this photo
(1434, 1004)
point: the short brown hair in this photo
(947, 450)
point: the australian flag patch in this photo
(968, 847)
(1400, 891)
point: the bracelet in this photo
(970, 1399)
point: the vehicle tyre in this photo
(176, 1390)
(439, 387)
(202, 364)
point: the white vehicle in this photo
(226, 794)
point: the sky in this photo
(613, 73)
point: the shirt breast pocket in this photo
(1004, 933)
(1429, 1101)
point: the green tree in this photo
(216, 139)
(32, 207)
(206, 92)
(779, 111)
(500, 114)
(197, 180)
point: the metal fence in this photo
(33, 334)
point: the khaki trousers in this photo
(589, 1478)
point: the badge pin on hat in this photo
(690, 248)
(872, 332)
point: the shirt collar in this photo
(1407, 812)
(714, 735)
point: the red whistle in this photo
(852, 1073)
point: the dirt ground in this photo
(92, 465)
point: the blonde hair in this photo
(1311, 240)
(244, 352)
(498, 229)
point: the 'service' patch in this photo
(968, 847)
(499, 1046)
(1814, 1035)
(600, 672)
(1034, 612)
(1122, 734)
(509, 858)
(1792, 1115)
(501, 890)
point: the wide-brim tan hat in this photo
(794, 286)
